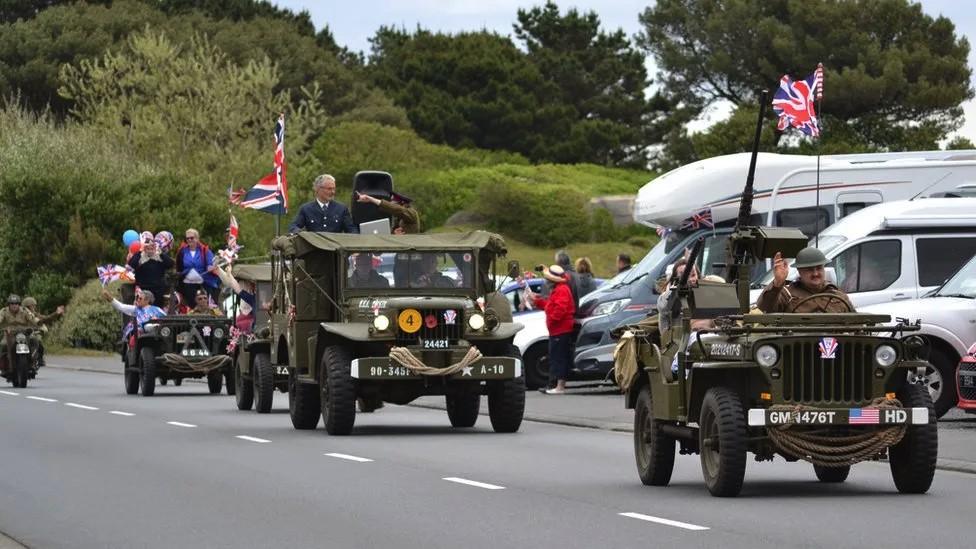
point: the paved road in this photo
(86, 466)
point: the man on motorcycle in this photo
(15, 317)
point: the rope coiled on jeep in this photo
(405, 358)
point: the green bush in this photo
(543, 215)
(89, 321)
(49, 289)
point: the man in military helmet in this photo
(30, 304)
(15, 317)
(782, 297)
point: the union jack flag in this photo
(270, 194)
(793, 102)
(233, 231)
(699, 219)
(235, 197)
(108, 273)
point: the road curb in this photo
(7, 542)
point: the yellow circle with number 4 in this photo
(409, 320)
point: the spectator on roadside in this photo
(324, 214)
(150, 267)
(560, 310)
(623, 263)
(562, 259)
(584, 274)
(195, 264)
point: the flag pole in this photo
(819, 84)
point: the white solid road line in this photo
(42, 399)
(664, 521)
(252, 439)
(178, 424)
(118, 413)
(350, 458)
(11, 393)
(81, 406)
(474, 483)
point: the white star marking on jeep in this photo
(466, 371)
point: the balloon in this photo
(129, 236)
(135, 247)
(164, 239)
(146, 236)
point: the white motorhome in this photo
(786, 189)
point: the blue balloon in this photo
(130, 236)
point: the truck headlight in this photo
(381, 322)
(767, 355)
(165, 331)
(476, 321)
(610, 307)
(218, 333)
(885, 355)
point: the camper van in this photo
(702, 199)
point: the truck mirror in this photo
(513, 269)
(831, 275)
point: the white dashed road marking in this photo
(252, 439)
(475, 483)
(350, 458)
(118, 413)
(11, 393)
(178, 424)
(42, 399)
(80, 406)
(664, 521)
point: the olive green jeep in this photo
(390, 318)
(255, 378)
(831, 389)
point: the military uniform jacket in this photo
(334, 218)
(784, 299)
(21, 319)
(407, 216)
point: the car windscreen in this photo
(379, 270)
(963, 283)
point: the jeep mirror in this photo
(513, 269)
(831, 275)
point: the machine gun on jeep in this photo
(831, 389)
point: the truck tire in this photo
(653, 451)
(338, 391)
(304, 405)
(131, 380)
(536, 366)
(262, 373)
(722, 424)
(462, 409)
(215, 382)
(147, 363)
(506, 398)
(831, 474)
(244, 395)
(913, 459)
(21, 371)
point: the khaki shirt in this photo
(783, 299)
(402, 214)
(21, 319)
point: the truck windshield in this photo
(377, 270)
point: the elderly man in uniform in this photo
(406, 220)
(324, 214)
(13, 316)
(782, 297)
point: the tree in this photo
(599, 74)
(894, 76)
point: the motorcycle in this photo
(18, 363)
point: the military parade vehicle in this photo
(254, 376)
(831, 389)
(429, 325)
(177, 347)
(18, 362)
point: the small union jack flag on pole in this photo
(235, 197)
(270, 194)
(699, 219)
(794, 101)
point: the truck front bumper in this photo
(485, 368)
(762, 417)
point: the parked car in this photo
(966, 381)
(948, 319)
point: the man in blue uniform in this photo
(324, 214)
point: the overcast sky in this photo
(354, 22)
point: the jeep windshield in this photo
(378, 270)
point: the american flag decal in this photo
(828, 348)
(864, 416)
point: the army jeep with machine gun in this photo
(381, 318)
(832, 389)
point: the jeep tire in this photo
(463, 408)
(131, 376)
(229, 380)
(912, 460)
(506, 398)
(653, 450)
(338, 390)
(147, 363)
(722, 436)
(832, 475)
(304, 405)
(215, 382)
(244, 395)
(262, 374)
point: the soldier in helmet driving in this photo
(782, 297)
(13, 316)
(30, 304)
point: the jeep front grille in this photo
(967, 380)
(809, 378)
(442, 331)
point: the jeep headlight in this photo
(767, 355)
(218, 333)
(150, 328)
(165, 331)
(885, 355)
(610, 307)
(476, 321)
(381, 322)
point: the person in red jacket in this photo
(560, 309)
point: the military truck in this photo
(431, 324)
(255, 378)
(831, 389)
